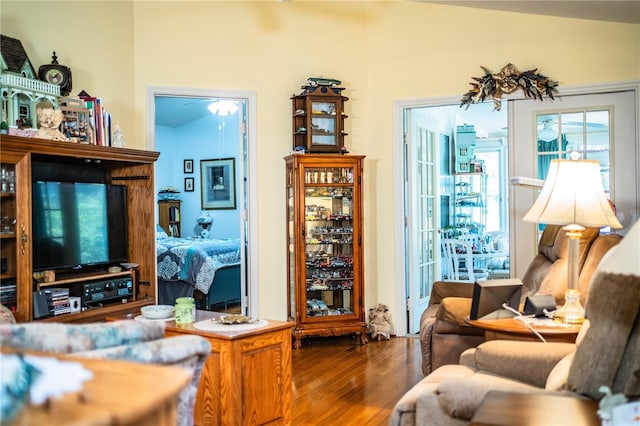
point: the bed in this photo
(206, 269)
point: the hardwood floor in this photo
(338, 381)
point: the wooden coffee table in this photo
(513, 329)
(507, 409)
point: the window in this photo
(585, 131)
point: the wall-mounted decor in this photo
(188, 166)
(508, 80)
(188, 184)
(218, 183)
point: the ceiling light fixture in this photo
(223, 107)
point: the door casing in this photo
(248, 214)
(399, 308)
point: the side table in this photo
(513, 329)
(528, 409)
(247, 377)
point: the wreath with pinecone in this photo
(508, 80)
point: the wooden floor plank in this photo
(338, 381)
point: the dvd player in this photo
(107, 290)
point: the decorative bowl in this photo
(157, 311)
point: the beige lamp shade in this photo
(573, 194)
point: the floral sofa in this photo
(129, 340)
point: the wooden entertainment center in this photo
(122, 166)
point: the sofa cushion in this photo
(548, 271)
(523, 361)
(455, 310)
(609, 354)
(460, 397)
(597, 251)
(404, 412)
(557, 379)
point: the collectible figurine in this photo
(49, 120)
(380, 322)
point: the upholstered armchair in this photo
(607, 352)
(129, 340)
(444, 332)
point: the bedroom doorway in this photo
(201, 133)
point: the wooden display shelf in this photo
(84, 277)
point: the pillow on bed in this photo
(160, 232)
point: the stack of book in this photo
(58, 301)
(100, 119)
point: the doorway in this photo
(520, 115)
(446, 198)
(199, 137)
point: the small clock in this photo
(57, 74)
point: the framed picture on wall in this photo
(188, 166)
(188, 184)
(218, 184)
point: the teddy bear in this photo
(380, 322)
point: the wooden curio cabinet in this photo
(324, 245)
(318, 119)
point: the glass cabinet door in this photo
(323, 123)
(328, 241)
(291, 242)
(8, 241)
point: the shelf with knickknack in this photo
(169, 215)
(318, 118)
(325, 261)
(469, 201)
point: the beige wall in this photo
(382, 51)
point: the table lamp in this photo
(573, 195)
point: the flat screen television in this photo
(490, 295)
(78, 225)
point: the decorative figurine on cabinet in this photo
(49, 120)
(380, 322)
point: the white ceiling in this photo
(174, 111)
(627, 11)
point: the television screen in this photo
(490, 295)
(78, 224)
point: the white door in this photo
(616, 124)
(422, 213)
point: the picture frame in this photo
(188, 166)
(188, 184)
(218, 184)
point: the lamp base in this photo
(572, 311)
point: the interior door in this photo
(422, 213)
(523, 146)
